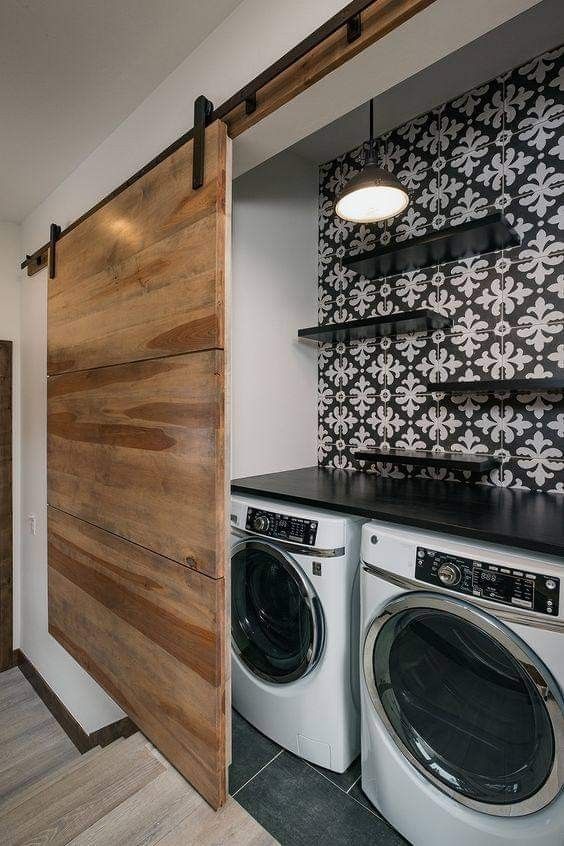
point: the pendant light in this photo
(374, 193)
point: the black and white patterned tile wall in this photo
(498, 147)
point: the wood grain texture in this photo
(378, 20)
(127, 793)
(63, 810)
(144, 277)
(152, 633)
(52, 775)
(23, 713)
(25, 745)
(232, 825)
(32, 743)
(137, 449)
(147, 816)
(25, 772)
(6, 541)
(138, 455)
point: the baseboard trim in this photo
(81, 739)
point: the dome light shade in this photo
(373, 194)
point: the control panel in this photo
(281, 526)
(506, 585)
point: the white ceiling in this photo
(72, 70)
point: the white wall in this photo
(10, 251)
(274, 279)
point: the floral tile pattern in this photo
(497, 147)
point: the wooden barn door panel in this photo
(137, 455)
(145, 275)
(149, 631)
(133, 449)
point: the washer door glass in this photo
(275, 620)
(463, 706)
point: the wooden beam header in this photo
(357, 26)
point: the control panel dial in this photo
(261, 523)
(449, 574)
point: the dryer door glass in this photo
(276, 623)
(464, 707)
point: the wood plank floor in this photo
(126, 794)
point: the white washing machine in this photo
(462, 653)
(295, 627)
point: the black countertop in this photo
(499, 515)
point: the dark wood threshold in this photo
(81, 739)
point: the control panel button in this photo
(449, 574)
(550, 584)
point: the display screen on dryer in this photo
(521, 589)
(516, 590)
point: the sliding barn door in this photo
(137, 455)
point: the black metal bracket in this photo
(251, 103)
(54, 233)
(38, 259)
(354, 28)
(203, 110)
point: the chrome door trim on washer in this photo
(530, 664)
(311, 599)
(512, 615)
(297, 549)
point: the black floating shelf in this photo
(401, 323)
(484, 235)
(493, 386)
(456, 461)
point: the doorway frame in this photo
(7, 657)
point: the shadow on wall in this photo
(499, 146)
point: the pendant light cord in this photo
(372, 154)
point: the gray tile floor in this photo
(298, 803)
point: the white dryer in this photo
(462, 651)
(295, 627)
